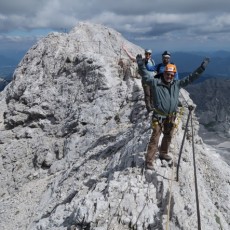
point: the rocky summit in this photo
(74, 132)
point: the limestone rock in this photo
(73, 138)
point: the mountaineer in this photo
(159, 68)
(149, 63)
(165, 96)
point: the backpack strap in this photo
(146, 61)
(153, 62)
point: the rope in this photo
(194, 163)
(176, 125)
(170, 193)
(195, 176)
(182, 144)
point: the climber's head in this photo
(148, 53)
(166, 57)
(169, 72)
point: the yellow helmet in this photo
(170, 68)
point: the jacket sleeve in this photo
(191, 77)
(151, 67)
(145, 74)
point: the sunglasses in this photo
(147, 53)
(170, 74)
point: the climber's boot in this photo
(164, 156)
(149, 165)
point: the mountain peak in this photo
(73, 138)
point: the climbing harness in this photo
(164, 114)
(159, 118)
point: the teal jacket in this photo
(165, 97)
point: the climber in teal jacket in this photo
(165, 96)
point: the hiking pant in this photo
(167, 127)
(148, 97)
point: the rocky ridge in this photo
(72, 143)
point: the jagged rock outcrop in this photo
(72, 143)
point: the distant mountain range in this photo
(187, 62)
(11, 57)
(213, 105)
(9, 62)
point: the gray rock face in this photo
(73, 138)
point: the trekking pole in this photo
(190, 108)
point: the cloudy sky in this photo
(176, 25)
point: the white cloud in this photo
(139, 20)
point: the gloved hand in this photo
(205, 63)
(139, 59)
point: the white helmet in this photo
(148, 51)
